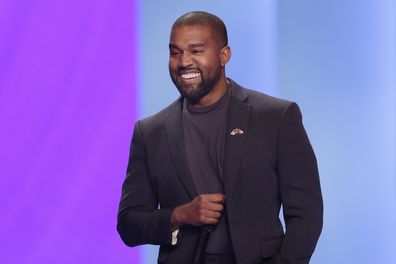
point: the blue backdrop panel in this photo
(337, 60)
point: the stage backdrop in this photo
(337, 60)
(75, 75)
(68, 102)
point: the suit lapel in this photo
(238, 118)
(175, 136)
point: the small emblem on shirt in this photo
(236, 132)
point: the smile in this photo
(191, 75)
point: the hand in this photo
(205, 209)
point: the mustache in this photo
(182, 69)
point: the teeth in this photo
(190, 75)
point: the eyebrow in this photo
(190, 46)
(173, 46)
(197, 45)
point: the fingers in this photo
(210, 207)
(217, 207)
(204, 209)
(213, 201)
(213, 214)
(209, 217)
(213, 197)
(210, 202)
(211, 221)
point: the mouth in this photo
(189, 75)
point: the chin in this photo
(191, 96)
(188, 91)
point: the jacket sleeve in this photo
(140, 221)
(299, 189)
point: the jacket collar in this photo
(238, 119)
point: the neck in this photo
(214, 95)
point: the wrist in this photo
(176, 218)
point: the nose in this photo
(185, 59)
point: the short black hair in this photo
(202, 18)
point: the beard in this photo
(192, 93)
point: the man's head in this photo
(212, 22)
(198, 53)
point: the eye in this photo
(197, 51)
(174, 52)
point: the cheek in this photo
(210, 63)
(172, 65)
(204, 64)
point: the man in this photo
(208, 174)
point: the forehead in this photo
(191, 34)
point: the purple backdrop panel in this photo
(68, 101)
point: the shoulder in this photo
(156, 121)
(262, 103)
(260, 99)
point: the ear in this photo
(225, 55)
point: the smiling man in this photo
(198, 56)
(207, 175)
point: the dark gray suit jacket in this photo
(271, 164)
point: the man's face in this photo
(194, 61)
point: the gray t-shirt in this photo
(204, 136)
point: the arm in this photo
(139, 219)
(299, 188)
